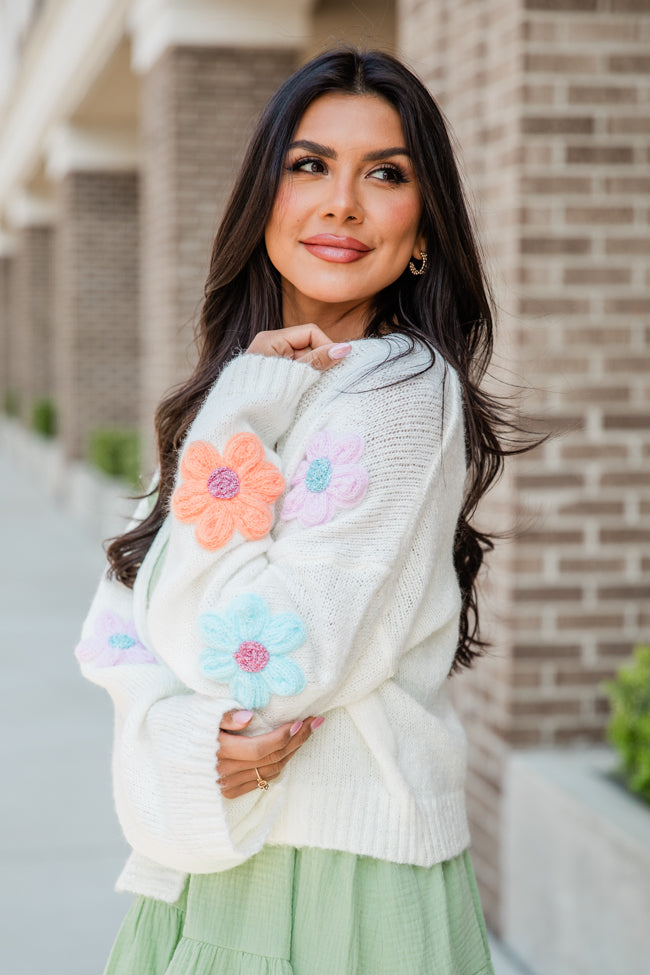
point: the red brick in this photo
(602, 95)
(628, 245)
(624, 592)
(629, 63)
(597, 275)
(600, 155)
(557, 125)
(628, 421)
(555, 245)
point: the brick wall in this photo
(96, 305)
(549, 101)
(198, 109)
(32, 333)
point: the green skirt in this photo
(311, 912)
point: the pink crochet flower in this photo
(328, 478)
(114, 642)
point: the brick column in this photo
(33, 304)
(97, 282)
(198, 107)
(6, 318)
(549, 103)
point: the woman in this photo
(309, 556)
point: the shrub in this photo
(629, 726)
(11, 403)
(116, 452)
(44, 418)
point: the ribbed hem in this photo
(386, 829)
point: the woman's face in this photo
(346, 217)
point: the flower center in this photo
(121, 641)
(319, 475)
(252, 656)
(223, 483)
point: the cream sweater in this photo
(305, 568)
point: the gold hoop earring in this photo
(423, 266)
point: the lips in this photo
(340, 250)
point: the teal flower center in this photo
(319, 475)
(121, 641)
(223, 483)
(252, 656)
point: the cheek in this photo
(402, 219)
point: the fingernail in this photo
(339, 351)
(242, 717)
(316, 723)
(295, 728)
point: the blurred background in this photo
(121, 126)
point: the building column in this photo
(32, 217)
(7, 318)
(97, 350)
(205, 78)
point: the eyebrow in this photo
(329, 153)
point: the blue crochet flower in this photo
(247, 649)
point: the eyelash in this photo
(399, 175)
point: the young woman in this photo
(277, 631)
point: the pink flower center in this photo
(223, 483)
(252, 656)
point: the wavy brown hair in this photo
(449, 308)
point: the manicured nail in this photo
(339, 351)
(295, 728)
(242, 717)
(316, 723)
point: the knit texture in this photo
(343, 601)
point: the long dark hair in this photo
(448, 307)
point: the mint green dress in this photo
(311, 912)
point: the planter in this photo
(576, 866)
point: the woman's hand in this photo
(239, 756)
(304, 343)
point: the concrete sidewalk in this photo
(61, 846)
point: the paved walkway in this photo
(61, 847)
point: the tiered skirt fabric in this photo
(311, 912)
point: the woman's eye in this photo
(307, 166)
(389, 174)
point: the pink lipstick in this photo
(339, 250)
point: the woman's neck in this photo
(341, 322)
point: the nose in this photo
(341, 199)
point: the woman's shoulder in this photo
(405, 361)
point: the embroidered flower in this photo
(248, 647)
(329, 478)
(114, 642)
(222, 494)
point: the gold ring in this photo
(261, 783)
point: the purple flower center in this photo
(121, 641)
(252, 656)
(223, 483)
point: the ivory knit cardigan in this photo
(339, 598)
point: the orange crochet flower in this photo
(222, 494)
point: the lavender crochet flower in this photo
(328, 478)
(248, 647)
(114, 642)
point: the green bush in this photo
(11, 403)
(44, 418)
(116, 452)
(629, 726)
